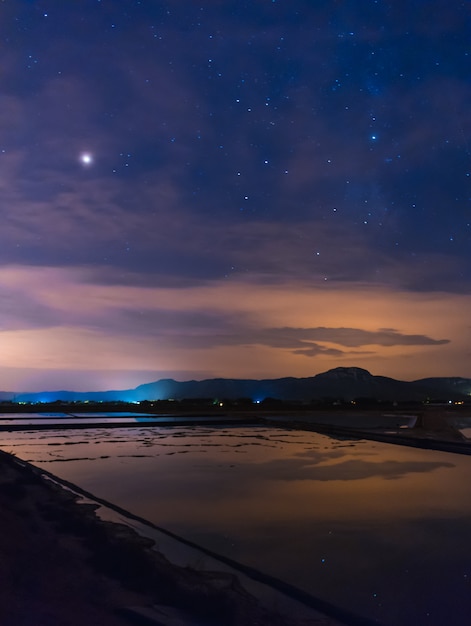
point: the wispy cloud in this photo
(65, 318)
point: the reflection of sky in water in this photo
(94, 419)
(384, 530)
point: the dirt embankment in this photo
(61, 566)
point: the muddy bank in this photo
(433, 428)
(61, 566)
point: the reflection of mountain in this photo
(343, 383)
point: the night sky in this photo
(248, 189)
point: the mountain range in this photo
(341, 383)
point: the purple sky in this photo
(237, 189)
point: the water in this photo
(21, 420)
(378, 529)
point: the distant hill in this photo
(341, 383)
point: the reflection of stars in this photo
(86, 159)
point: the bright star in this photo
(86, 159)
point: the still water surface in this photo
(379, 529)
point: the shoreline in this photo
(63, 566)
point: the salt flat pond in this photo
(379, 529)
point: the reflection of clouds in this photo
(59, 460)
(353, 469)
(396, 539)
(300, 458)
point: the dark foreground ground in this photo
(61, 566)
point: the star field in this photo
(272, 147)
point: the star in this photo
(86, 159)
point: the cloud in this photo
(82, 318)
(316, 349)
(303, 341)
(20, 310)
(164, 200)
(354, 337)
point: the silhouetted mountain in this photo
(6, 396)
(447, 386)
(341, 383)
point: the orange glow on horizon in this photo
(100, 330)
